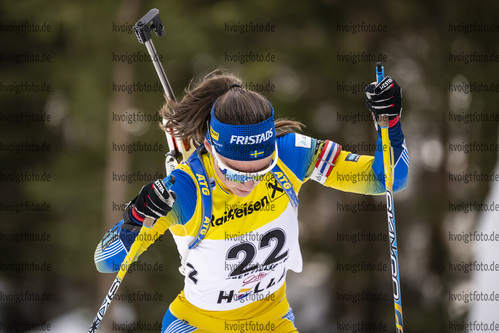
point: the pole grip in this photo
(148, 22)
(380, 72)
(383, 119)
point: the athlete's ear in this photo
(207, 145)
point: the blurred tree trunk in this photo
(118, 161)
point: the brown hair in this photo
(235, 106)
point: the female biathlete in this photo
(232, 208)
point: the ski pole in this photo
(152, 21)
(390, 209)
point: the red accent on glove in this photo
(393, 122)
(137, 216)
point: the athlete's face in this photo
(240, 189)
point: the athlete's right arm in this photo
(116, 243)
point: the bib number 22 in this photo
(249, 251)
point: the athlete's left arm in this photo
(365, 174)
(325, 162)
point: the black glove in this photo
(384, 98)
(154, 200)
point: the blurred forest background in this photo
(65, 70)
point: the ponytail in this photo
(235, 106)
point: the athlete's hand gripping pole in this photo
(152, 21)
(383, 122)
(147, 224)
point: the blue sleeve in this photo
(111, 250)
(297, 152)
(186, 191)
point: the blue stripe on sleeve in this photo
(186, 191)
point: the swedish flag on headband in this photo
(256, 153)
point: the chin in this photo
(241, 193)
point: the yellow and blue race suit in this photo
(235, 279)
